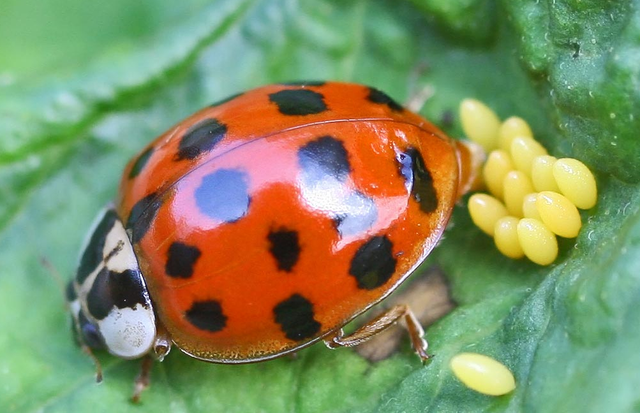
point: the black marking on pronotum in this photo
(284, 246)
(374, 263)
(305, 83)
(324, 157)
(225, 100)
(181, 259)
(418, 179)
(377, 96)
(207, 315)
(296, 318)
(142, 215)
(224, 195)
(200, 138)
(92, 255)
(89, 332)
(140, 163)
(115, 289)
(296, 102)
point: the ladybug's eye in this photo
(89, 333)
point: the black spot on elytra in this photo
(142, 215)
(93, 253)
(70, 292)
(296, 318)
(295, 102)
(207, 315)
(324, 157)
(115, 289)
(200, 138)
(285, 248)
(377, 96)
(180, 260)
(418, 179)
(225, 100)
(305, 83)
(224, 195)
(89, 332)
(140, 163)
(374, 263)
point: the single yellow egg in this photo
(538, 242)
(515, 186)
(576, 182)
(495, 169)
(485, 210)
(509, 129)
(542, 174)
(479, 123)
(529, 207)
(505, 235)
(483, 374)
(524, 150)
(559, 214)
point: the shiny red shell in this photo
(266, 222)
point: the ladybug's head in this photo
(108, 297)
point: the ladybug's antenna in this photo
(44, 261)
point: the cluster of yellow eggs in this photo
(534, 196)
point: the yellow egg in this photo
(510, 128)
(542, 174)
(576, 182)
(505, 235)
(483, 374)
(495, 169)
(559, 214)
(515, 186)
(523, 151)
(529, 207)
(538, 242)
(485, 210)
(479, 123)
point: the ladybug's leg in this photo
(161, 347)
(379, 324)
(144, 378)
(63, 292)
(417, 100)
(87, 350)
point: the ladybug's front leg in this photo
(379, 324)
(161, 348)
(144, 378)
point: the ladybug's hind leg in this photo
(379, 324)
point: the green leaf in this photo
(83, 86)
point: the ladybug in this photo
(265, 223)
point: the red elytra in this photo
(267, 222)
